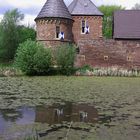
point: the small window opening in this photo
(129, 58)
(57, 31)
(83, 26)
(77, 50)
(105, 58)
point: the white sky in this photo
(31, 7)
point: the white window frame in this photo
(84, 26)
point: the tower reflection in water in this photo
(56, 114)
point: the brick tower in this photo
(54, 23)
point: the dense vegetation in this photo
(108, 18)
(12, 34)
(32, 58)
(9, 34)
(65, 57)
(26, 33)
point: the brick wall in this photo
(46, 30)
(106, 53)
(53, 43)
(94, 23)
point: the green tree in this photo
(9, 39)
(108, 18)
(26, 33)
(65, 56)
(33, 58)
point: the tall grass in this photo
(108, 71)
(8, 69)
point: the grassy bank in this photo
(107, 71)
(8, 69)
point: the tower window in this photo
(57, 31)
(83, 26)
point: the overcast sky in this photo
(32, 7)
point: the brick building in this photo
(81, 23)
(87, 20)
(121, 51)
(57, 23)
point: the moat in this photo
(69, 107)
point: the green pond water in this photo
(69, 108)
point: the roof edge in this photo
(122, 38)
(39, 18)
(127, 10)
(85, 15)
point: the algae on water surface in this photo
(117, 101)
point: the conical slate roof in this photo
(54, 8)
(84, 7)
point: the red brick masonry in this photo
(46, 31)
(94, 23)
(106, 53)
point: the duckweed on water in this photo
(116, 99)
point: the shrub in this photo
(32, 58)
(65, 56)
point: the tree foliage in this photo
(32, 58)
(26, 33)
(65, 56)
(108, 18)
(9, 34)
(12, 33)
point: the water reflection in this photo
(55, 114)
(11, 114)
(70, 112)
(20, 116)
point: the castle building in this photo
(57, 23)
(81, 23)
